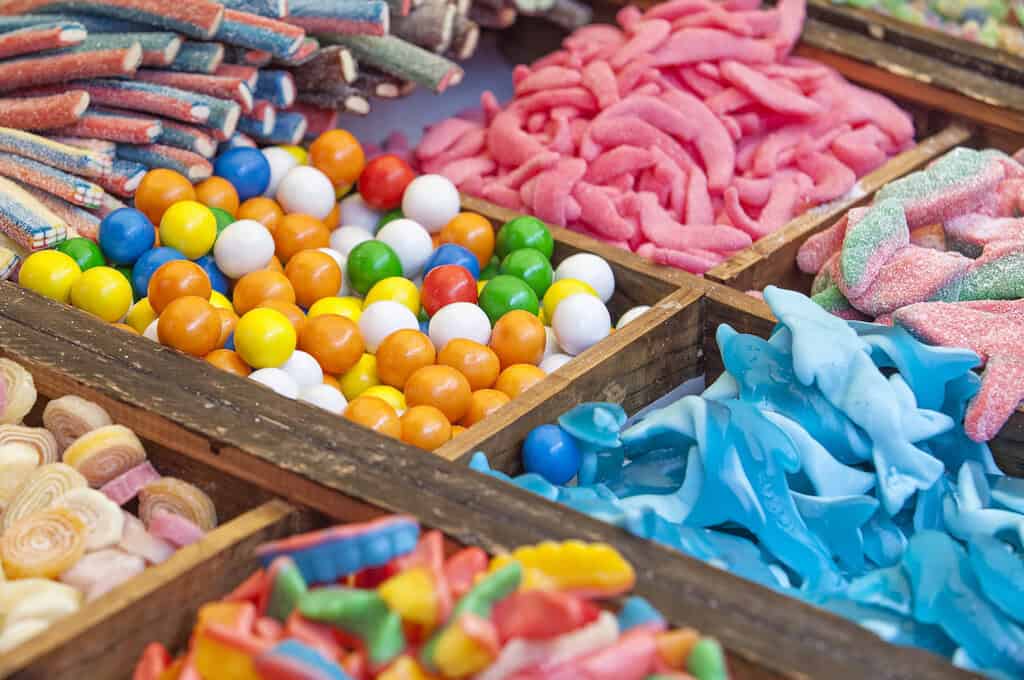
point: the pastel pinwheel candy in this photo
(17, 392)
(101, 517)
(177, 497)
(42, 489)
(43, 545)
(105, 453)
(70, 417)
(39, 439)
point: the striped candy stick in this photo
(61, 156)
(91, 58)
(274, 9)
(54, 35)
(100, 123)
(347, 17)
(101, 146)
(158, 49)
(302, 55)
(318, 120)
(289, 128)
(260, 33)
(11, 257)
(43, 113)
(191, 165)
(239, 139)
(124, 178)
(198, 57)
(221, 87)
(79, 220)
(194, 18)
(247, 74)
(277, 87)
(71, 188)
(187, 137)
(109, 205)
(233, 54)
(402, 59)
(26, 221)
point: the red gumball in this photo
(383, 181)
(447, 284)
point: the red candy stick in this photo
(43, 113)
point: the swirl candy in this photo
(178, 497)
(103, 520)
(38, 439)
(43, 545)
(17, 392)
(17, 462)
(104, 454)
(28, 606)
(69, 417)
(41, 490)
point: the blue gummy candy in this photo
(637, 611)
(298, 660)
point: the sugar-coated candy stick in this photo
(189, 164)
(39, 439)
(69, 417)
(347, 17)
(402, 59)
(43, 113)
(40, 37)
(260, 33)
(17, 462)
(247, 74)
(129, 483)
(137, 541)
(289, 128)
(277, 87)
(86, 60)
(234, 54)
(261, 121)
(275, 9)
(43, 544)
(187, 137)
(17, 392)
(222, 87)
(174, 529)
(606, 572)
(105, 453)
(64, 185)
(318, 120)
(102, 518)
(198, 57)
(381, 84)
(101, 146)
(124, 178)
(100, 123)
(61, 156)
(177, 496)
(100, 572)
(26, 221)
(41, 490)
(11, 256)
(195, 18)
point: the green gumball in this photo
(223, 218)
(504, 293)
(83, 251)
(370, 262)
(525, 232)
(530, 265)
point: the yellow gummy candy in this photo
(411, 594)
(224, 613)
(214, 659)
(406, 668)
(173, 671)
(458, 656)
(535, 579)
(590, 568)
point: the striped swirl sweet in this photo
(17, 392)
(176, 496)
(105, 453)
(41, 490)
(17, 462)
(103, 519)
(39, 439)
(68, 418)
(43, 545)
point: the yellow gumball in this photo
(103, 292)
(349, 307)
(562, 289)
(218, 300)
(480, 287)
(265, 338)
(360, 377)
(396, 289)
(298, 152)
(190, 228)
(49, 273)
(387, 394)
(141, 315)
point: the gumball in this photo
(383, 318)
(247, 169)
(277, 380)
(125, 327)
(344, 239)
(223, 217)
(524, 232)
(280, 162)
(218, 281)
(473, 232)
(190, 228)
(441, 387)
(396, 289)
(314, 275)
(253, 289)
(159, 190)
(228, 360)
(631, 314)
(457, 430)
(264, 210)
(147, 265)
(401, 354)
(562, 289)
(388, 394)
(375, 414)
(449, 253)
(446, 285)
(355, 213)
(298, 232)
(580, 322)
(265, 338)
(474, 360)
(176, 279)
(304, 369)
(83, 251)
(326, 397)
(504, 293)
(50, 274)
(483, 403)
(220, 301)
(459, 320)
(531, 266)
(370, 262)
(190, 324)
(102, 292)
(552, 363)
(518, 338)
(217, 192)
(384, 180)
(552, 453)
(518, 378)
(243, 247)
(306, 190)
(425, 427)
(591, 269)
(356, 379)
(491, 270)
(125, 235)
(348, 307)
(333, 341)
(290, 310)
(140, 315)
(431, 200)
(275, 265)
(228, 322)
(300, 155)
(388, 217)
(339, 156)
(551, 345)
(331, 381)
(125, 271)
(411, 243)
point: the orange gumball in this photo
(401, 354)
(217, 192)
(518, 378)
(333, 219)
(159, 190)
(190, 324)
(275, 265)
(338, 154)
(255, 287)
(518, 338)
(228, 321)
(375, 414)
(331, 381)
(125, 327)
(425, 427)
(457, 430)
(314, 275)
(227, 360)
(264, 210)
(289, 309)
(482, 404)
(334, 341)
(473, 232)
(298, 232)
(440, 386)
(477, 362)
(176, 279)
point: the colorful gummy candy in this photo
(380, 600)
(65, 539)
(831, 463)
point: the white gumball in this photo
(325, 397)
(591, 269)
(579, 322)
(342, 263)
(554, 362)
(344, 239)
(151, 331)
(355, 212)
(244, 246)
(277, 380)
(432, 201)
(306, 190)
(281, 162)
(410, 241)
(550, 343)
(631, 314)
(303, 369)
(383, 318)
(459, 320)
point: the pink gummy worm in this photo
(508, 143)
(174, 529)
(791, 23)
(502, 195)
(470, 144)
(701, 85)
(714, 143)
(648, 36)
(599, 78)
(696, 262)
(699, 209)
(860, 149)
(674, 178)
(613, 132)
(831, 178)
(599, 212)
(463, 169)
(442, 136)
(695, 45)
(761, 22)
(127, 485)
(551, 199)
(663, 231)
(768, 92)
(620, 160)
(631, 75)
(531, 168)
(548, 78)
(560, 131)
(672, 10)
(727, 101)
(715, 17)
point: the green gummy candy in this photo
(1001, 279)
(287, 590)
(885, 222)
(706, 661)
(358, 612)
(831, 299)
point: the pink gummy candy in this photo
(818, 248)
(174, 529)
(695, 45)
(912, 274)
(550, 77)
(831, 178)
(442, 136)
(768, 92)
(598, 210)
(599, 78)
(621, 160)
(554, 188)
(791, 23)
(100, 572)
(128, 484)
(647, 36)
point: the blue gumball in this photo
(247, 170)
(424, 326)
(125, 235)
(218, 281)
(551, 452)
(149, 262)
(230, 342)
(450, 253)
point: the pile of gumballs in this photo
(355, 286)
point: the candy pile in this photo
(940, 252)
(64, 537)
(830, 463)
(682, 137)
(434, 311)
(379, 601)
